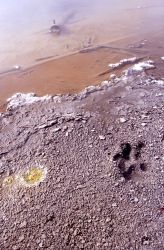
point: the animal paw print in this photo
(123, 158)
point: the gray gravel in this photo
(90, 198)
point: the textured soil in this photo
(103, 152)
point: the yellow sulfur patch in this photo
(8, 181)
(34, 176)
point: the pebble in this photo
(41, 244)
(122, 179)
(159, 94)
(146, 242)
(66, 134)
(23, 224)
(156, 157)
(65, 128)
(143, 124)
(114, 204)
(108, 219)
(102, 137)
(78, 118)
(56, 129)
(21, 238)
(136, 199)
(38, 241)
(123, 120)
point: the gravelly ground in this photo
(88, 199)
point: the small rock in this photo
(56, 129)
(42, 126)
(23, 224)
(159, 94)
(123, 120)
(65, 128)
(38, 241)
(131, 190)
(114, 204)
(102, 137)
(108, 219)
(156, 157)
(136, 199)
(146, 242)
(66, 134)
(122, 179)
(78, 118)
(21, 238)
(41, 244)
(75, 232)
(143, 124)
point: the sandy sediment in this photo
(94, 166)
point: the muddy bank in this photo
(85, 171)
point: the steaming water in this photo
(24, 26)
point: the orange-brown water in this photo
(25, 41)
(67, 74)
